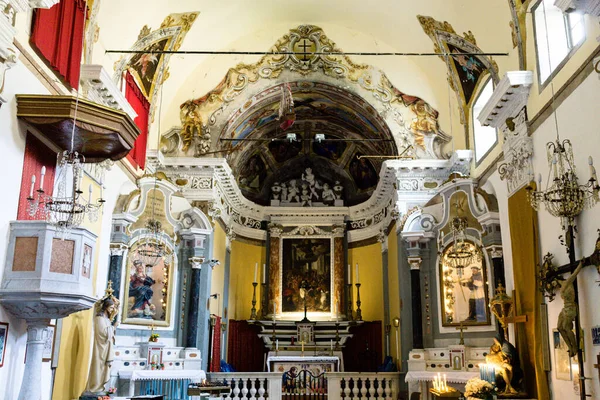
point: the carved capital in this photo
(196, 262)
(37, 332)
(495, 251)
(275, 230)
(415, 262)
(117, 249)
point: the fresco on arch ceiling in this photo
(330, 150)
(283, 150)
(245, 85)
(363, 173)
(252, 174)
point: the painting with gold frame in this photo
(464, 290)
(308, 260)
(147, 294)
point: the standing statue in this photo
(569, 312)
(105, 323)
(505, 359)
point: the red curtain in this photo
(215, 362)
(141, 105)
(36, 156)
(363, 350)
(245, 350)
(58, 35)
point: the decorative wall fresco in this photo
(330, 150)
(466, 73)
(283, 150)
(252, 174)
(363, 173)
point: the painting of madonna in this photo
(147, 294)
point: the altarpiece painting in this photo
(306, 274)
(147, 299)
(464, 289)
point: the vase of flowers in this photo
(479, 389)
(153, 337)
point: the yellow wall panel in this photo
(371, 273)
(394, 289)
(218, 273)
(243, 258)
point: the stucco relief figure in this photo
(105, 324)
(505, 359)
(569, 312)
(140, 288)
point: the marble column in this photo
(274, 295)
(191, 335)
(117, 252)
(37, 333)
(417, 313)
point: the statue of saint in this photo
(569, 312)
(505, 359)
(106, 310)
(140, 288)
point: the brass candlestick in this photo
(253, 310)
(337, 336)
(358, 312)
(263, 303)
(273, 338)
(349, 311)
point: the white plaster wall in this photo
(18, 80)
(578, 120)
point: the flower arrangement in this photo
(157, 366)
(111, 390)
(479, 389)
(154, 337)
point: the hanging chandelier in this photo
(564, 197)
(461, 253)
(151, 247)
(66, 208)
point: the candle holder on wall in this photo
(358, 303)
(253, 310)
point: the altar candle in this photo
(42, 178)
(255, 271)
(331, 344)
(101, 186)
(349, 275)
(444, 386)
(302, 342)
(357, 279)
(32, 185)
(277, 344)
(264, 278)
(90, 193)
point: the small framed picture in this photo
(49, 344)
(3, 341)
(596, 335)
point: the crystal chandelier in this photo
(564, 197)
(66, 209)
(151, 247)
(461, 252)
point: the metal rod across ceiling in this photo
(332, 53)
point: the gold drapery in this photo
(525, 244)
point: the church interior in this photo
(300, 200)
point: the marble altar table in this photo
(283, 361)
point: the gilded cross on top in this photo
(304, 49)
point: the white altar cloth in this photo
(271, 359)
(451, 376)
(163, 375)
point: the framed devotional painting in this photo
(148, 294)
(463, 286)
(306, 274)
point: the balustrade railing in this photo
(330, 385)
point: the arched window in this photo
(563, 34)
(485, 137)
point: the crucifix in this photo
(461, 328)
(304, 287)
(304, 46)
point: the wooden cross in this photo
(461, 328)
(597, 366)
